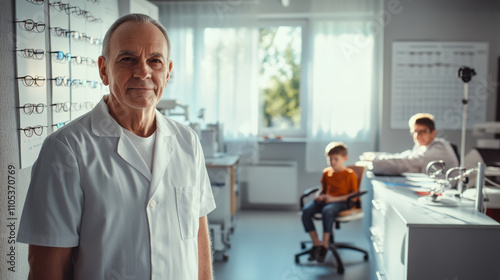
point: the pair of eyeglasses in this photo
(61, 32)
(79, 60)
(61, 124)
(95, 41)
(419, 132)
(93, 84)
(89, 61)
(76, 106)
(61, 81)
(29, 81)
(60, 6)
(30, 108)
(30, 25)
(59, 55)
(91, 20)
(61, 106)
(30, 130)
(77, 83)
(36, 2)
(89, 105)
(78, 11)
(32, 53)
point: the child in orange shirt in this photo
(338, 183)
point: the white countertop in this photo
(222, 161)
(404, 200)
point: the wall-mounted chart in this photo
(425, 80)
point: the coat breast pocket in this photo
(188, 208)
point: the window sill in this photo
(282, 140)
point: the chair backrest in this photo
(360, 172)
(354, 213)
(455, 149)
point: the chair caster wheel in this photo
(340, 271)
(297, 260)
(302, 246)
(365, 257)
(225, 257)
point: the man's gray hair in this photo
(140, 18)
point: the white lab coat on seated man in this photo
(91, 189)
(416, 159)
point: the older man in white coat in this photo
(122, 192)
(427, 148)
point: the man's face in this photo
(137, 69)
(422, 135)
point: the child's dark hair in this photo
(422, 119)
(336, 148)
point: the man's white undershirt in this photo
(144, 145)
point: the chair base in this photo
(333, 247)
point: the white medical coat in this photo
(91, 189)
(416, 159)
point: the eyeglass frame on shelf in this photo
(30, 130)
(77, 59)
(30, 81)
(64, 106)
(77, 82)
(35, 25)
(61, 56)
(32, 53)
(60, 124)
(30, 108)
(36, 2)
(61, 81)
(61, 32)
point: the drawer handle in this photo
(403, 249)
(375, 204)
(377, 248)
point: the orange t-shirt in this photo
(339, 183)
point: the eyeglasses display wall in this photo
(57, 47)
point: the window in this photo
(280, 55)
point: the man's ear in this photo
(170, 65)
(101, 62)
(433, 134)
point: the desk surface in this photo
(223, 161)
(415, 213)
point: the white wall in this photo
(439, 20)
(138, 6)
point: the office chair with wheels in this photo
(351, 214)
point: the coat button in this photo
(152, 203)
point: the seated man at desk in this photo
(427, 148)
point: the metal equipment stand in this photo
(466, 74)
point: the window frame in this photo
(291, 133)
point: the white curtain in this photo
(345, 62)
(214, 54)
(215, 67)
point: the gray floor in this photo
(264, 243)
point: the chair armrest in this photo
(350, 199)
(307, 193)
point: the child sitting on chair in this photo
(338, 182)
